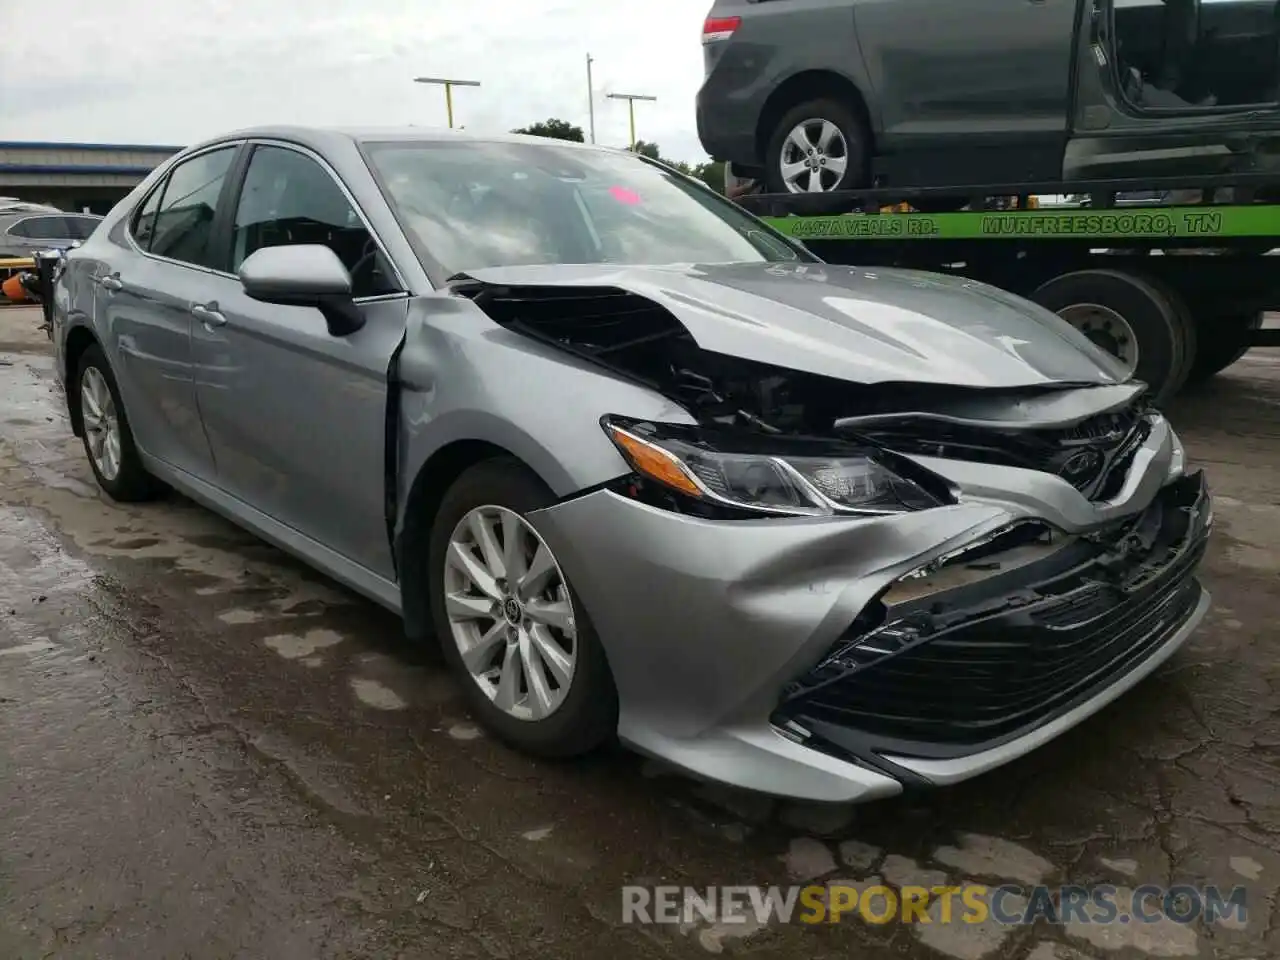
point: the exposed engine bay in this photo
(1083, 433)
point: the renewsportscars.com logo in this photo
(1009, 904)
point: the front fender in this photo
(463, 377)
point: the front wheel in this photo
(819, 146)
(513, 630)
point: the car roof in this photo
(324, 138)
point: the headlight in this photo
(788, 476)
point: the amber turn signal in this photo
(654, 462)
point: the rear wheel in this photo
(513, 629)
(818, 146)
(108, 439)
(1139, 321)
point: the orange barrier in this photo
(12, 289)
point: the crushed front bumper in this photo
(954, 675)
(721, 635)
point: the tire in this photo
(852, 128)
(586, 716)
(1223, 340)
(1188, 331)
(1160, 324)
(130, 483)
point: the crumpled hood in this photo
(851, 323)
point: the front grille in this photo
(1093, 455)
(977, 676)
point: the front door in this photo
(296, 417)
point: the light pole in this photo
(631, 99)
(448, 91)
(591, 100)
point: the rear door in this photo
(297, 417)
(973, 68)
(160, 267)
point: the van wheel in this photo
(1139, 321)
(108, 439)
(818, 146)
(512, 627)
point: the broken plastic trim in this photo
(1055, 408)
(525, 310)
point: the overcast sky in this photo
(176, 71)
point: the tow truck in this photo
(1174, 284)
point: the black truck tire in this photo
(1223, 339)
(857, 141)
(1154, 316)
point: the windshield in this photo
(475, 204)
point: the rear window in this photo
(476, 204)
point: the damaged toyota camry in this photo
(641, 466)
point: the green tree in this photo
(555, 129)
(654, 152)
(646, 149)
(711, 172)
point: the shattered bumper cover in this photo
(956, 681)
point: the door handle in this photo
(207, 313)
(111, 283)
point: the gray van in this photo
(814, 96)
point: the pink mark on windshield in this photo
(623, 195)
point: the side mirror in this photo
(303, 275)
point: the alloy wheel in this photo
(101, 422)
(510, 613)
(814, 158)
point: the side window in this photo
(43, 228)
(184, 221)
(19, 229)
(81, 228)
(143, 226)
(289, 198)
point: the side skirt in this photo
(368, 584)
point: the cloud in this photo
(142, 71)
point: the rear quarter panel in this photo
(776, 42)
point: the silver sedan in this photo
(642, 466)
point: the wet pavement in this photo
(207, 751)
